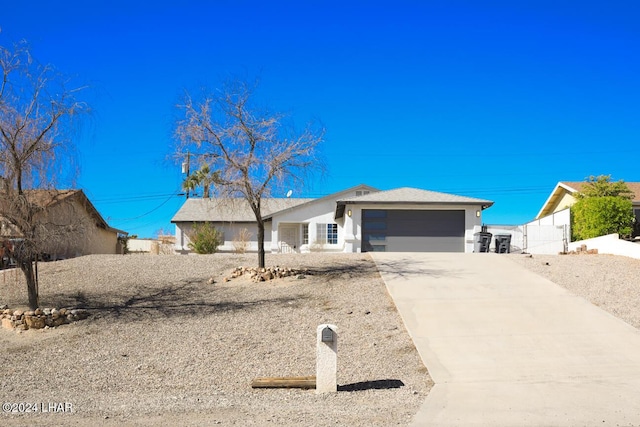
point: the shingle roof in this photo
(230, 210)
(415, 195)
(633, 186)
(238, 210)
(49, 198)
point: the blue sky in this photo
(497, 100)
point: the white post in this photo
(327, 359)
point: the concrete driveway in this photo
(506, 347)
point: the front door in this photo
(288, 238)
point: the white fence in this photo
(548, 235)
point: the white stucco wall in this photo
(317, 212)
(609, 244)
(230, 230)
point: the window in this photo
(374, 213)
(305, 234)
(332, 234)
(327, 234)
(374, 230)
(362, 192)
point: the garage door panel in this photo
(422, 244)
(414, 230)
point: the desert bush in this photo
(204, 238)
(241, 241)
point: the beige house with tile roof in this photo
(358, 219)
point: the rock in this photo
(34, 322)
(300, 276)
(63, 312)
(47, 311)
(59, 321)
(38, 312)
(211, 281)
(267, 275)
(81, 314)
(7, 323)
(4, 307)
(18, 313)
(226, 279)
(7, 311)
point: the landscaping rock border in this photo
(265, 274)
(40, 318)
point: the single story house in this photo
(86, 231)
(359, 219)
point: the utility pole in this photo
(185, 169)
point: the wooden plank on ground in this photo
(284, 382)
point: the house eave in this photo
(556, 194)
(340, 205)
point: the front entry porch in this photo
(292, 238)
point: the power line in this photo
(122, 199)
(146, 213)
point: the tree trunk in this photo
(32, 286)
(261, 263)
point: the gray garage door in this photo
(412, 230)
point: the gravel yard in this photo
(609, 282)
(163, 346)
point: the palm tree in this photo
(202, 177)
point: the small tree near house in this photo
(37, 112)
(603, 207)
(253, 151)
(204, 238)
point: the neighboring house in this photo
(71, 207)
(562, 197)
(359, 219)
(163, 244)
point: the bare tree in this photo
(253, 151)
(36, 117)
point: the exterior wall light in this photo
(478, 213)
(349, 212)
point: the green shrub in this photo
(598, 216)
(204, 238)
